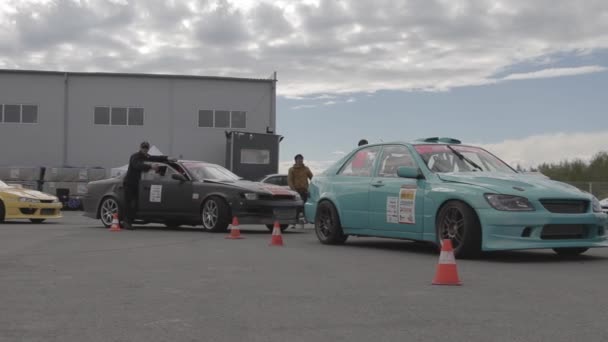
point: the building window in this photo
(29, 114)
(239, 120)
(257, 157)
(136, 116)
(205, 118)
(102, 115)
(12, 113)
(119, 116)
(222, 119)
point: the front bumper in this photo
(267, 212)
(528, 230)
(19, 210)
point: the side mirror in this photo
(178, 177)
(409, 172)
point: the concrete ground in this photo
(75, 281)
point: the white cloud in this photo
(339, 153)
(556, 72)
(317, 46)
(549, 148)
(351, 100)
(303, 106)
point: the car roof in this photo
(421, 141)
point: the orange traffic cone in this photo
(115, 225)
(235, 232)
(447, 273)
(277, 238)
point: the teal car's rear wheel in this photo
(327, 225)
(573, 251)
(458, 222)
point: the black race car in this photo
(195, 193)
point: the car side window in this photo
(164, 173)
(283, 181)
(272, 180)
(361, 164)
(394, 157)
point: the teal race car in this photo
(437, 188)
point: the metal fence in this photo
(598, 189)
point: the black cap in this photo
(299, 156)
(363, 142)
(144, 144)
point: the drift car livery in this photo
(17, 203)
(195, 193)
(436, 189)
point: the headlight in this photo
(251, 196)
(597, 206)
(509, 203)
(28, 200)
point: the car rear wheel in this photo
(37, 220)
(327, 225)
(570, 251)
(458, 222)
(2, 212)
(107, 209)
(215, 215)
(283, 227)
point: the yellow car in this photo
(19, 203)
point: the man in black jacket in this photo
(137, 166)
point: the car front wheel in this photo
(327, 225)
(458, 222)
(107, 209)
(215, 215)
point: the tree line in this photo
(595, 170)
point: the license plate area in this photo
(564, 232)
(285, 214)
(47, 212)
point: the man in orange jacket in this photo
(298, 177)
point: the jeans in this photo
(131, 199)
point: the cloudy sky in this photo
(524, 78)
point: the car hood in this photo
(516, 184)
(18, 192)
(257, 187)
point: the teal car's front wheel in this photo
(458, 222)
(327, 225)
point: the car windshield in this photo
(201, 171)
(456, 158)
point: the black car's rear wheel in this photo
(572, 251)
(107, 209)
(215, 215)
(283, 227)
(327, 225)
(458, 222)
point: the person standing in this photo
(137, 166)
(298, 177)
(361, 158)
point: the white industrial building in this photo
(82, 119)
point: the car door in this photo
(351, 188)
(160, 194)
(396, 203)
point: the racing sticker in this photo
(407, 205)
(156, 193)
(83, 174)
(195, 196)
(276, 190)
(392, 211)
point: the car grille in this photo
(27, 211)
(566, 206)
(47, 212)
(564, 232)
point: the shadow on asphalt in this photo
(198, 230)
(426, 248)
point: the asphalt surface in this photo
(75, 281)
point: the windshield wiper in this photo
(462, 157)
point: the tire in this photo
(327, 225)
(215, 215)
(37, 221)
(2, 212)
(283, 227)
(458, 222)
(570, 252)
(108, 207)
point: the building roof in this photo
(136, 75)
